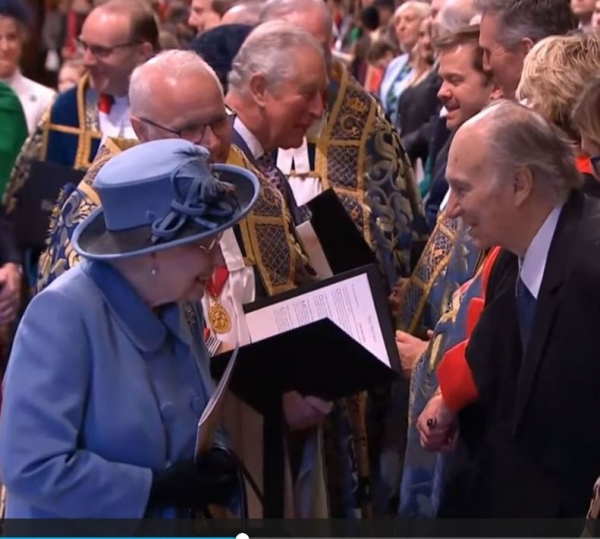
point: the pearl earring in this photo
(154, 271)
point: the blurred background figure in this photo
(584, 10)
(69, 75)
(219, 46)
(15, 23)
(13, 132)
(407, 21)
(202, 16)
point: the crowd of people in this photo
(462, 137)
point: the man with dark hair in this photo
(219, 46)
(510, 28)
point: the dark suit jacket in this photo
(531, 443)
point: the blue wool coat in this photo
(100, 391)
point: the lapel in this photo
(548, 301)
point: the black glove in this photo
(195, 485)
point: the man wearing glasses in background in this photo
(116, 37)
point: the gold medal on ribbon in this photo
(220, 321)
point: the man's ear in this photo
(140, 129)
(258, 89)
(522, 185)
(526, 45)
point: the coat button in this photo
(198, 405)
(167, 411)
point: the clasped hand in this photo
(437, 426)
(304, 412)
(196, 484)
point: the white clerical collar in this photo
(534, 262)
(248, 137)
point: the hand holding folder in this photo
(329, 340)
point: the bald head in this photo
(313, 16)
(177, 94)
(167, 74)
(243, 13)
(144, 26)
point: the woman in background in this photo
(15, 22)
(407, 21)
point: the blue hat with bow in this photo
(162, 194)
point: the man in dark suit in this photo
(525, 391)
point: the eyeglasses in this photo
(98, 50)
(212, 245)
(222, 126)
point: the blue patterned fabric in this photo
(422, 478)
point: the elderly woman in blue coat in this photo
(108, 376)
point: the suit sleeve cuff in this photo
(455, 379)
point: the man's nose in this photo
(444, 92)
(317, 105)
(88, 58)
(209, 140)
(452, 207)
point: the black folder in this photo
(318, 359)
(31, 216)
(342, 242)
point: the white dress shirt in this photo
(251, 141)
(304, 186)
(240, 287)
(534, 262)
(35, 98)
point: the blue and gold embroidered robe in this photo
(422, 477)
(359, 155)
(68, 135)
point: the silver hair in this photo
(268, 51)
(283, 9)
(423, 8)
(528, 19)
(456, 15)
(171, 63)
(519, 137)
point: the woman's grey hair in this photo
(455, 15)
(171, 63)
(270, 51)
(528, 19)
(282, 9)
(422, 8)
(519, 137)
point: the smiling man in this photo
(276, 86)
(115, 38)
(515, 185)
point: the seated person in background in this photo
(108, 376)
